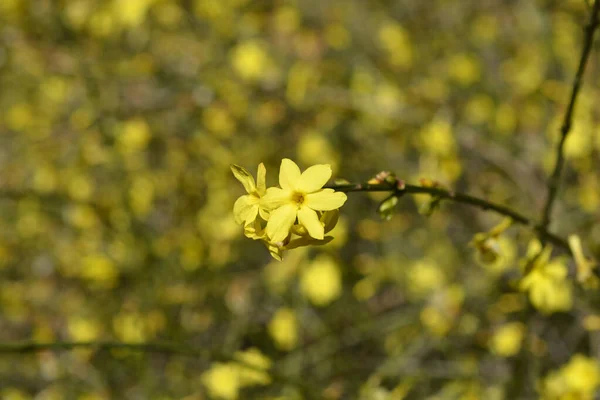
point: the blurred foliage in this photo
(118, 122)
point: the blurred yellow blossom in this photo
(507, 339)
(250, 59)
(546, 282)
(131, 13)
(424, 277)
(225, 380)
(321, 280)
(283, 328)
(578, 379)
(253, 367)
(396, 41)
(222, 381)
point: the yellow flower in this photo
(578, 379)
(547, 284)
(247, 207)
(328, 218)
(507, 340)
(300, 197)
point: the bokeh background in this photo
(118, 122)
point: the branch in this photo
(554, 181)
(166, 348)
(458, 198)
(25, 347)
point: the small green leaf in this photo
(387, 207)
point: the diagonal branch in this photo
(458, 198)
(554, 181)
(27, 347)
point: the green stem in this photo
(554, 181)
(458, 198)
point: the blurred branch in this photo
(25, 347)
(554, 181)
(459, 198)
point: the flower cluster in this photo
(298, 213)
(578, 379)
(546, 280)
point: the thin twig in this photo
(554, 181)
(459, 198)
(25, 347)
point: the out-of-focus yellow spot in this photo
(424, 277)
(141, 195)
(506, 119)
(55, 89)
(168, 14)
(80, 187)
(365, 288)
(286, 19)
(253, 367)
(301, 77)
(222, 381)
(101, 23)
(479, 109)
(77, 12)
(134, 136)
(592, 322)
(10, 6)
(579, 143)
(12, 393)
(19, 117)
(396, 41)
(437, 137)
(321, 281)
(432, 88)
(589, 192)
(45, 179)
(484, 29)
(526, 72)
(100, 270)
(507, 339)
(129, 326)
(83, 216)
(82, 118)
(464, 69)
(218, 120)
(131, 13)
(250, 59)
(435, 321)
(337, 36)
(283, 328)
(314, 148)
(83, 329)
(578, 379)
(547, 283)
(388, 98)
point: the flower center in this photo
(298, 198)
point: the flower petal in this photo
(261, 178)
(313, 178)
(280, 222)
(325, 200)
(310, 220)
(242, 175)
(245, 209)
(275, 198)
(289, 174)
